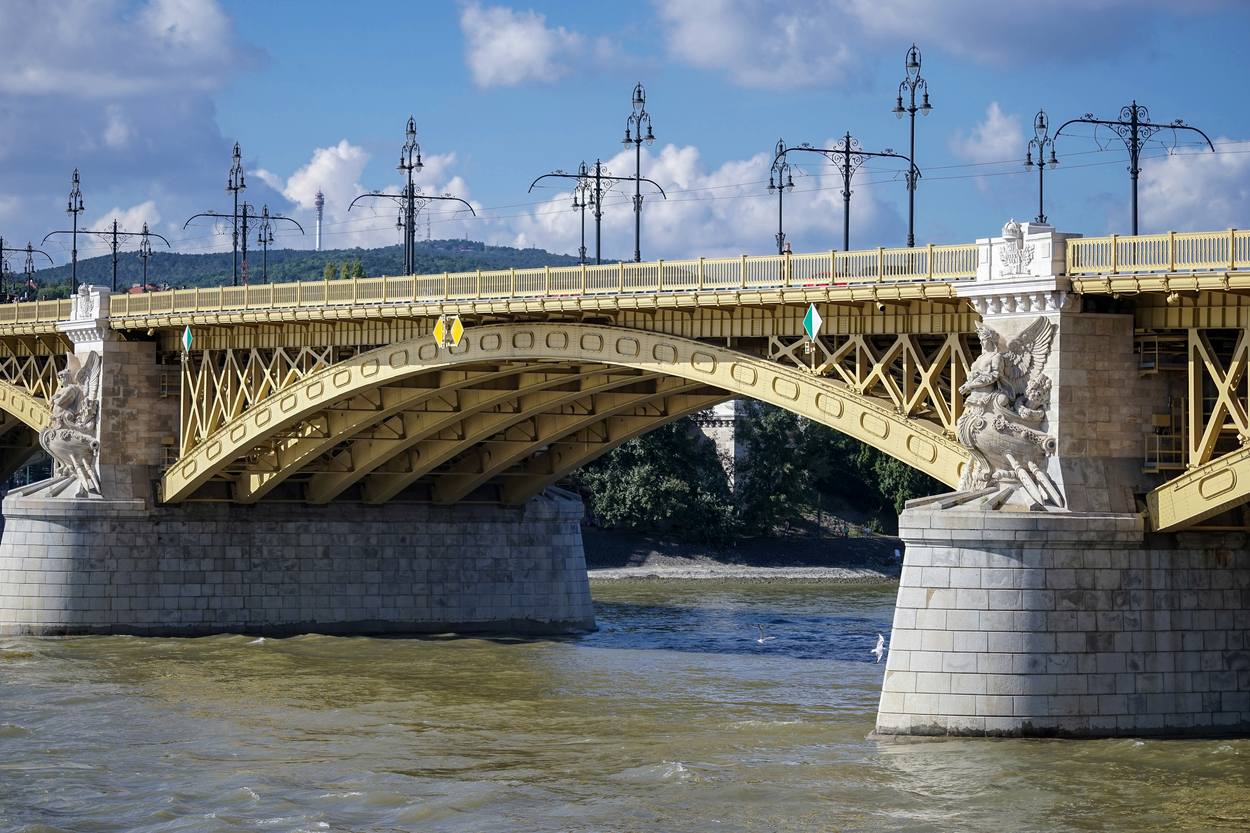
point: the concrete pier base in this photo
(1038, 624)
(116, 567)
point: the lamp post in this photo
(410, 201)
(6, 271)
(145, 252)
(1135, 129)
(582, 197)
(635, 122)
(264, 236)
(407, 165)
(235, 184)
(111, 235)
(75, 208)
(847, 156)
(1041, 127)
(599, 176)
(911, 84)
(785, 182)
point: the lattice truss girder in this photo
(28, 381)
(31, 369)
(918, 375)
(1217, 391)
(1215, 429)
(220, 385)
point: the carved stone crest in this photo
(1008, 395)
(1015, 256)
(71, 437)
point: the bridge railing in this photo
(36, 312)
(1215, 251)
(929, 263)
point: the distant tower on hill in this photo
(320, 202)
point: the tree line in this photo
(672, 479)
(286, 265)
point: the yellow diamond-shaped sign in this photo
(457, 330)
(440, 330)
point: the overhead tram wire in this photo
(179, 243)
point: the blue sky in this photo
(146, 99)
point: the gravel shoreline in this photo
(617, 556)
(733, 574)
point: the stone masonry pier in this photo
(79, 567)
(1078, 625)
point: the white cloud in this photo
(997, 139)
(336, 172)
(129, 219)
(788, 43)
(117, 131)
(97, 49)
(121, 90)
(506, 48)
(1196, 191)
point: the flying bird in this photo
(879, 651)
(762, 637)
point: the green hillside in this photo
(288, 265)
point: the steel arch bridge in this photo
(337, 391)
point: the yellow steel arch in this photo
(19, 402)
(914, 441)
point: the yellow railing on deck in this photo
(35, 312)
(1217, 251)
(928, 263)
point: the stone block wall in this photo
(133, 418)
(1102, 408)
(1066, 625)
(75, 567)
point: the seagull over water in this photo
(879, 651)
(762, 637)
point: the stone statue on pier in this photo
(1007, 398)
(70, 439)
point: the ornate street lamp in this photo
(235, 184)
(847, 156)
(145, 252)
(411, 200)
(111, 235)
(785, 182)
(911, 84)
(582, 197)
(238, 232)
(264, 237)
(1041, 127)
(602, 182)
(75, 208)
(636, 119)
(1134, 129)
(6, 271)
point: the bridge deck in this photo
(888, 312)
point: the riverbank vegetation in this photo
(791, 468)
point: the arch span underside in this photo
(22, 417)
(512, 410)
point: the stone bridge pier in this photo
(1035, 601)
(107, 557)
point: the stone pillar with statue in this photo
(93, 549)
(1033, 600)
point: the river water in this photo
(671, 717)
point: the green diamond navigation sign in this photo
(186, 340)
(812, 322)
